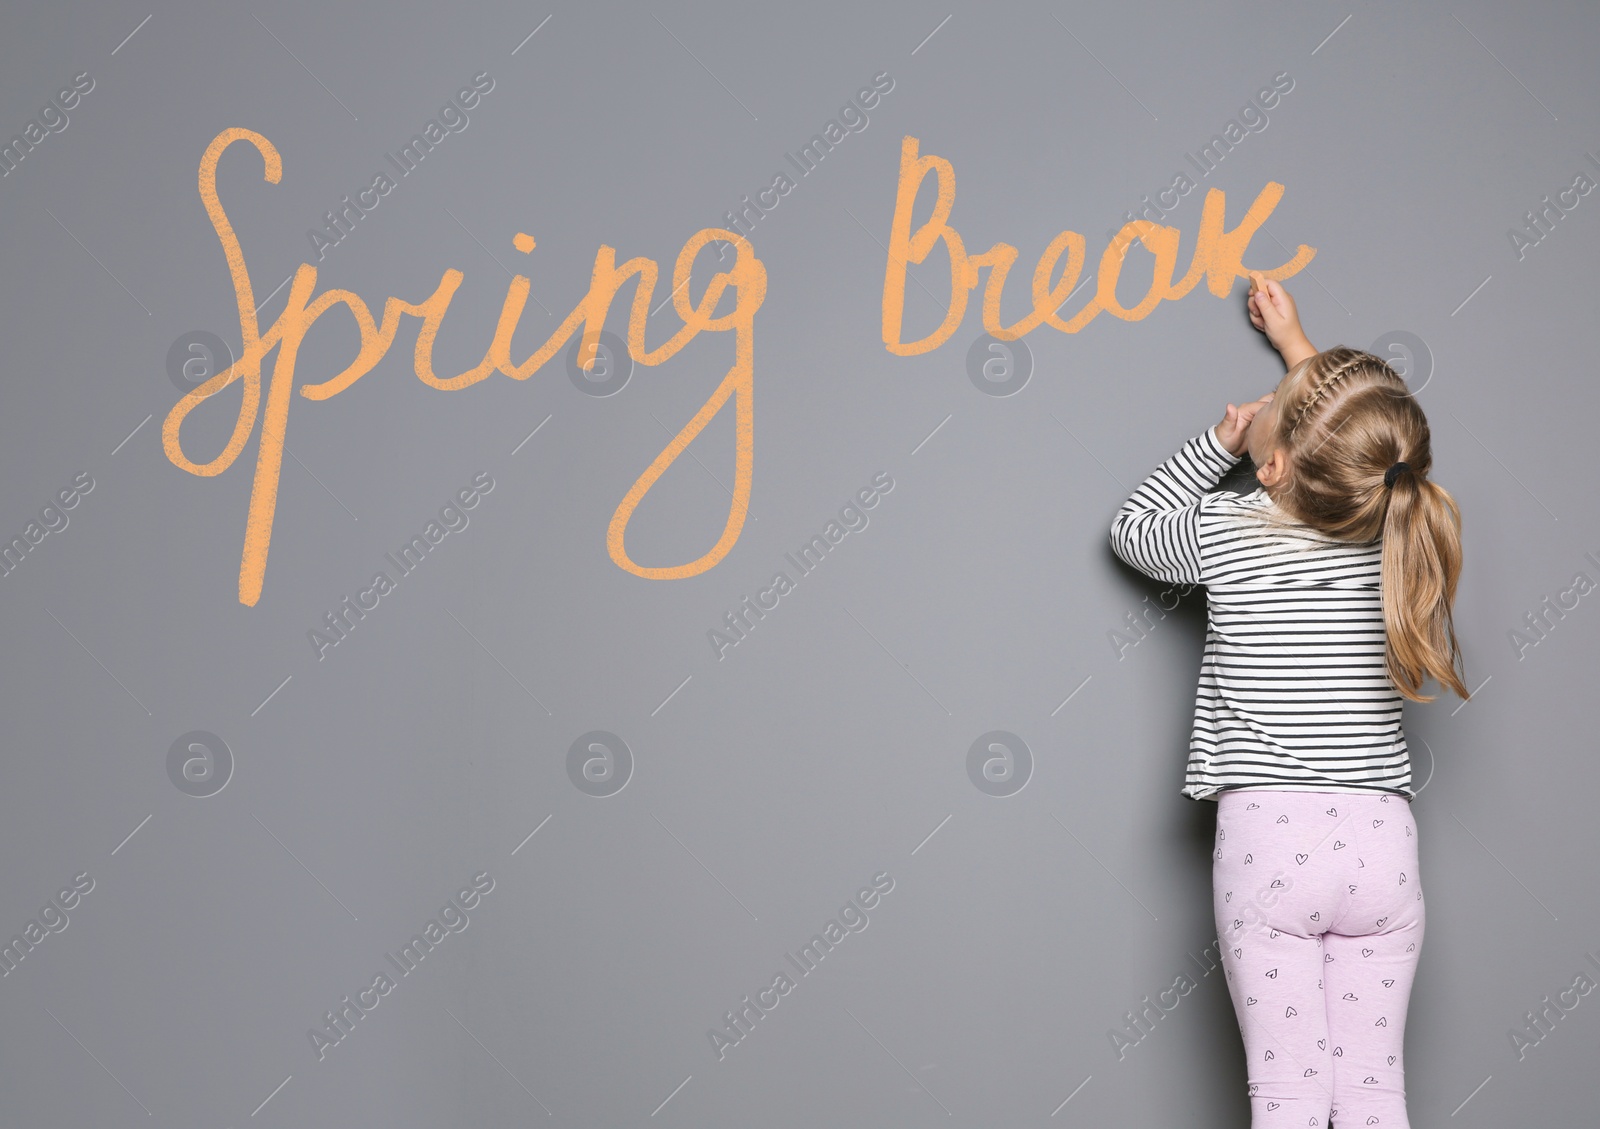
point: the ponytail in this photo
(1359, 452)
(1421, 565)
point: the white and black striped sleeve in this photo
(1157, 530)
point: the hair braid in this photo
(1332, 377)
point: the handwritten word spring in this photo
(748, 277)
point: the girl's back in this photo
(1293, 688)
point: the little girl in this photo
(1329, 592)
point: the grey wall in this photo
(364, 788)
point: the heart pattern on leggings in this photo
(1275, 837)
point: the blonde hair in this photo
(1344, 418)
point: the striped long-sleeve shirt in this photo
(1293, 692)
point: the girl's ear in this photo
(1272, 472)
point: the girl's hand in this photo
(1273, 311)
(1236, 422)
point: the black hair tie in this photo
(1393, 473)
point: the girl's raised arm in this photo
(1157, 530)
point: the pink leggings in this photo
(1319, 910)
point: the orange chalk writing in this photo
(747, 277)
(1218, 256)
